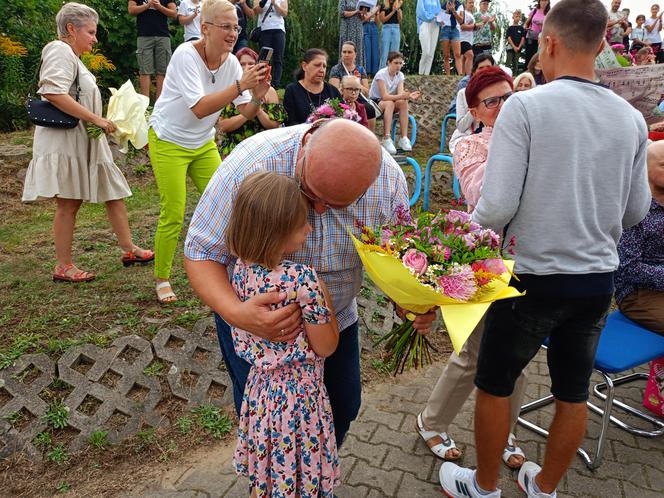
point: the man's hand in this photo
(422, 323)
(257, 316)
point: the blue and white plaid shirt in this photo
(328, 247)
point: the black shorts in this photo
(481, 49)
(515, 330)
(465, 47)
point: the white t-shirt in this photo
(466, 36)
(391, 83)
(273, 20)
(193, 29)
(655, 36)
(187, 81)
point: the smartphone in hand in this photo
(265, 55)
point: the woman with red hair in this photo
(235, 126)
(486, 92)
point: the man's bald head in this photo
(343, 161)
(656, 169)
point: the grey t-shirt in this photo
(566, 174)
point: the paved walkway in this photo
(383, 457)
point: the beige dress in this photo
(68, 163)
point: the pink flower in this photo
(447, 253)
(470, 240)
(495, 266)
(385, 236)
(457, 217)
(488, 269)
(416, 261)
(459, 283)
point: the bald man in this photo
(346, 176)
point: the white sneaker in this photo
(405, 145)
(388, 144)
(526, 481)
(459, 482)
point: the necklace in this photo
(212, 75)
(309, 94)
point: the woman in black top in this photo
(390, 17)
(311, 90)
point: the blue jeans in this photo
(371, 50)
(390, 37)
(342, 375)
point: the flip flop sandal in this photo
(162, 297)
(440, 449)
(60, 275)
(131, 258)
(512, 450)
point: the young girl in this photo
(286, 443)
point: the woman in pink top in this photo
(485, 93)
(533, 27)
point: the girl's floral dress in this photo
(275, 112)
(286, 443)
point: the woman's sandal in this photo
(440, 449)
(132, 257)
(69, 273)
(166, 297)
(513, 451)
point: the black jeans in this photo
(276, 39)
(515, 330)
(532, 46)
(342, 375)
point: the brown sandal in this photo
(65, 274)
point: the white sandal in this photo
(512, 450)
(440, 449)
(162, 298)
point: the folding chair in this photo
(623, 346)
(413, 128)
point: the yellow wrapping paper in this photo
(126, 109)
(460, 317)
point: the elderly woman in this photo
(347, 66)
(66, 163)
(203, 77)
(525, 81)
(388, 90)
(235, 126)
(310, 91)
(486, 92)
(350, 90)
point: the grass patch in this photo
(99, 440)
(211, 419)
(57, 415)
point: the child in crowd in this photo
(515, 41)
(286, 443)
(644, 57)
(639, 34)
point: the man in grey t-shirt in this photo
(566, 193)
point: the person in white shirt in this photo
(271, 14)
(654, 28)
(202, 78)
(387, 89)
(189, 16)
(466, 36)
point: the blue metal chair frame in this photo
(404, 160)
(413, 128)
(623, 346)
(440, 157)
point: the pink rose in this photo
(416, 261)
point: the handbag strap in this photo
(267, 12)
(35, 80)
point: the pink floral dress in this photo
(286, 443)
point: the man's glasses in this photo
(493, 102)
(227, 27)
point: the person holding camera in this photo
(271, 14)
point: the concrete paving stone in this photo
(239, 489)
(633, 491)
(407, 393)
(371, 453)
(346, 491)
(161, 493)
(655, 477)
(412, 487)
(384, 414)
(419, 467)
(363, 430)
(383, 435)
(347, 463)
(633, 472)
(590, 487)
(627, 454)
(383, 480)
(648, 443)
(213, 483)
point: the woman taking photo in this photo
(310, 91)
(387, 88)
(203, 77)
(348, 67)
(67, 164)
(235, 126)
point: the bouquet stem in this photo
(406, 347)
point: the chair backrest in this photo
(443, 133)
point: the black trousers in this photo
(276, 39)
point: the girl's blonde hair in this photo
(212, 8)
(268, 208)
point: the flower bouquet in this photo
(127, 109)
(334, 108)
(443, 260)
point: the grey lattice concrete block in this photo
(195, 357)
(22, 383)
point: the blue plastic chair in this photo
(623, 346)
(443, 142)
(441, 156)
(413, 128)
(409, 161)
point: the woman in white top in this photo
(271, 15)
(466, 36)
(189, 16)
(654, 28)
(67, 164)
(387, 88)
(202, 78)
